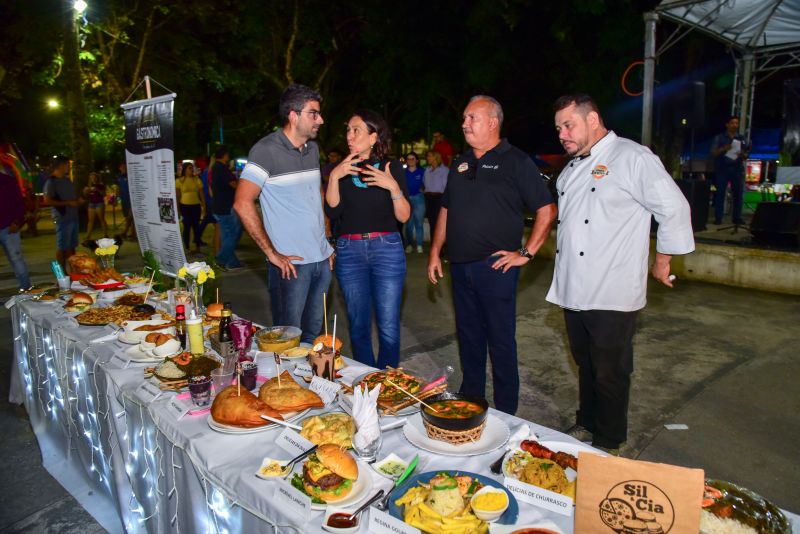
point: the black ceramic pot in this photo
(455, 424)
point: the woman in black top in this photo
(368, 195)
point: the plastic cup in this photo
(200, 390)
(64, 283)
(322, 362)
(221, 379)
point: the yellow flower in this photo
(202, 277)
(211, 273)
(108, 251)
(182, 272)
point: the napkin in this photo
(365, 416)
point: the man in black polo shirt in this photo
(482, 219)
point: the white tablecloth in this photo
(136, 468)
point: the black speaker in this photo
(697, 193)
(777, 224)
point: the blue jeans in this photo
(298, 301)
(66, 234)
(230, 228)
(371, 273)
(12, 244)
(414, 224)
(486, 316)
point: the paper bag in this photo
(617, 495)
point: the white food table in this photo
(136, 468)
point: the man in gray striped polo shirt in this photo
(283, 172)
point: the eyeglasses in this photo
(313, 112)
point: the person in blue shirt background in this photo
(416, 197)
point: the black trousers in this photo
(433, 204)
(602, 346)
(486, 319)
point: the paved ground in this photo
(721, 360)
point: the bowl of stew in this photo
(455, 411)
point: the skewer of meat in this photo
(537, 450)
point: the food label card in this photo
(292, 442)
(383, 523)
(119, 361)
(292, 501)
(326, 389)
(303, 369)
(177, 408)
(148, 392)
(10, 302)
(549, 500)
(614, 491)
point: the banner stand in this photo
(150, 157)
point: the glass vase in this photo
(107, 261)
(197, 296)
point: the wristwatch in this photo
(525, 254)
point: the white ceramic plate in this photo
(136, 354)
(131, 338)
(494, 436)
(556, 446)
(361, 488)
(229, 429)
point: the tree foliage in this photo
(416, 62)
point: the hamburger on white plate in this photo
(329, 473)
(79, 302)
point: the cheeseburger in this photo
(329, 473)
(79, 302)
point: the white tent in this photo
(764, 36)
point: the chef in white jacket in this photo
(606, 196)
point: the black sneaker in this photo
(579, 432)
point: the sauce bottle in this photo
(226, 346)
(194, 331)
(180, 324)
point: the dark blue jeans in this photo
(298, 301)
(371, 273)
(735, 175)
(230, 228)
(486, 317)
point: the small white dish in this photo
(144, 346)
(390, 467)
(268, 471)
(349, 530)
(489, 515)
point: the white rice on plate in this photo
(711, 524)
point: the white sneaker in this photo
(419, 249)
(409, 249)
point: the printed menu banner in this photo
(616, 495)
(151, 179)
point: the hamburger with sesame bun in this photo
(329, 473)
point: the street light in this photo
(52, 103)
(79, 6)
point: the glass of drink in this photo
(221, 379)
(242, 334)
(322, 362)
(249, 374)
(200, 390)
(64, 283)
